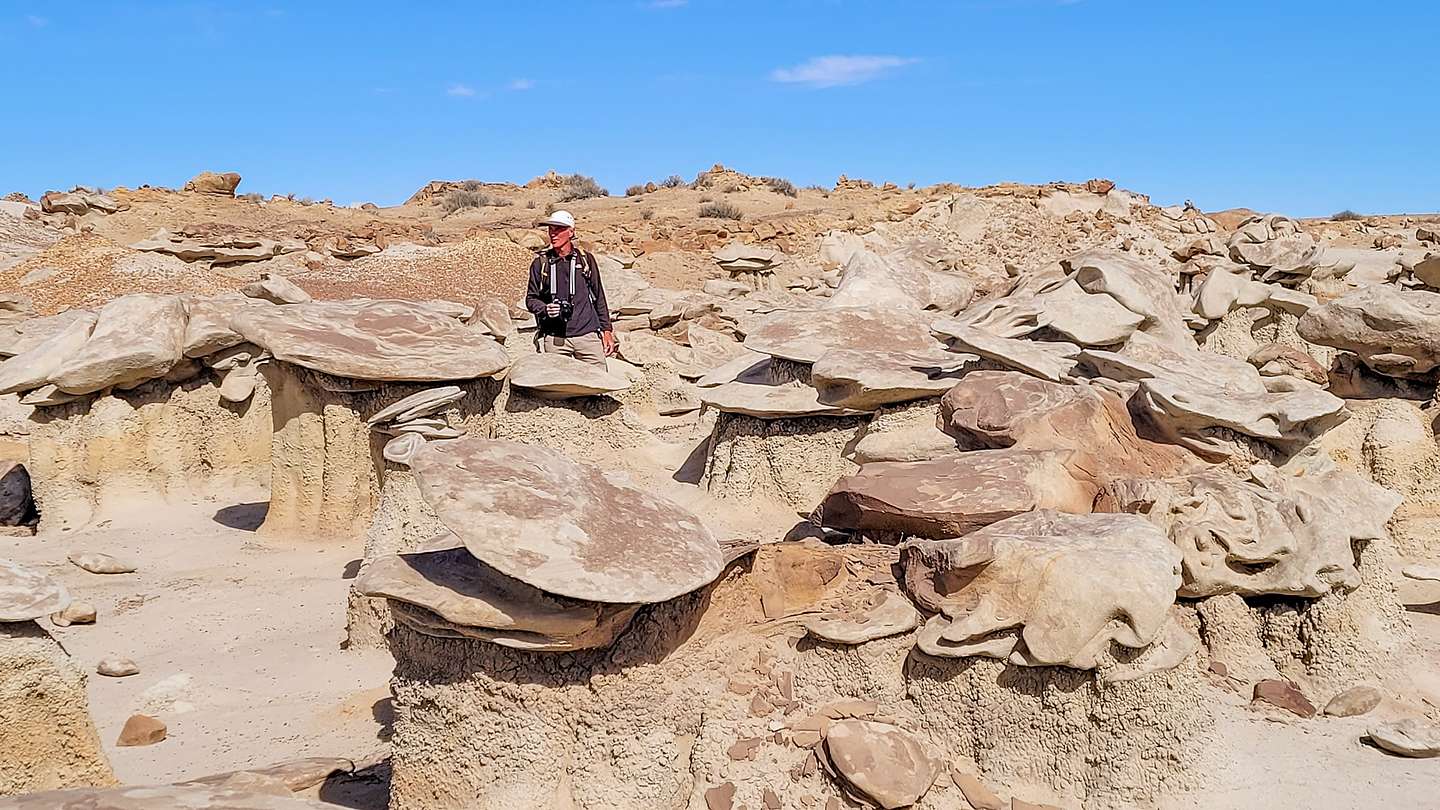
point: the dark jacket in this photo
(589, 311)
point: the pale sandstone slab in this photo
(168, 797)
(136, 338)
(1044, 588)
(555, 376)
(867, 379)
(805, 336)
(1049, 361)
(877, 614)
(27, 594)
(208, 330)
(1143, 289)
(769, 401)
(31, 332)
(884, 763)
(373, 340)
(567, 528)
(1411, 737)
(36, 367)
(1393, 331)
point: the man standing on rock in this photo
(567, 298)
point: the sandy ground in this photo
(238, 641)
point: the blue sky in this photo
(1303, 108)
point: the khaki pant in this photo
(588, 348)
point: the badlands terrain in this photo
(943, 497)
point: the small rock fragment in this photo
(744, 749)
(882, 762)
(115, 667)
(1284, 695)
(98, 563)
(1021, 804)
(769, 800)
(76, 613)
(720, 797)
(1357, 700)
(976, 793)
(1429, 573)
(141, 729)
(1410, 738)
(759, 706)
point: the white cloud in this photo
(38, 22)
(462, 90)
(834, 71)
(668, 3)
(522, 84)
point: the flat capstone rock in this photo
(564, 527)
(1409, 738)
(164, 797)
(555, 376)
(27, 594)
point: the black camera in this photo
(566, 308)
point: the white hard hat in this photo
(564, 219)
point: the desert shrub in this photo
(472, 185)
(720, 210)
(460, 199)
(634, 191)
(910, 185)
(530, 204)
(580, 187)
(673, 181)
(647, 214)
(1347, 216)
(780, 185)
(307, 200)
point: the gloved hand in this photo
(607, 339)
(552, 310)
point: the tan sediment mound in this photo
(463, 271)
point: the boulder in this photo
(867, 379)
(870, 280)
(115, 667)
(1354, 701)
(222, 184)
(885, 764)
(1188, 415)
(27, 594)
(26, 335)
(1086, 318)
(805, 336)
(276, 290)
(1412, 737)
(492, 317)
(141, 729)
(769, 401)
(555, 376)
(373, 340)
(96, 562)
(955, 495)
(645, 349)
(1394, 331)
(997, 409)
(208, 328)
(74, 613)
(1223, 291)
(1283, 695)
(466, 593)
(1044, 588)
(1144, 290)
(566, 528)
(1049, 361)
(421, 403)
(1275, 534)
(78, 202)
(1276, 360)
(872, 615)
(38, 366)
(1276, 246)
(136, 338)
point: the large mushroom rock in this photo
(1251, 539)
(49, 740)
(865, 380)
(997, 409)
(1142, 289)
(218, 183)
(870, 280)
(555, 376)
(1050, 361)
(256, 795)
(567, 528)
(136, 338)
(955, 495)
(1276, 246)
(805, 336)
(373, 340)
(37, 366)
(1394, 331)
(27, 594)
(451, 594)
(1045, 588)
(160, 439)
(680, 704)
(755, 265)
(327, 463)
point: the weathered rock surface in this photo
(37, 367)
(1411, 737)
(1049, 361)
(167, 797)
(805, 336)
(1354, 701)
(955, 495)
(116, 667)
(27, 594)
(566, 528)
(769, 401)
(1274, 360)
(17, 499)
(99, 563)
(373, 340)
(865, 380)
(1283, 695)
(74, 613)
(276, 290)
(884, 763)
(219, 250)
(1044, 588)
(1394, 331)
(555, 376)
(464, 591)
(136, 338)
(875, 614)
(141, 729)
(219, 183)
(208, 329)
(30, 333)
(870, 280)
(1144, 290)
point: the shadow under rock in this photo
(694, 467)
(246, 517)
(367, 789)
